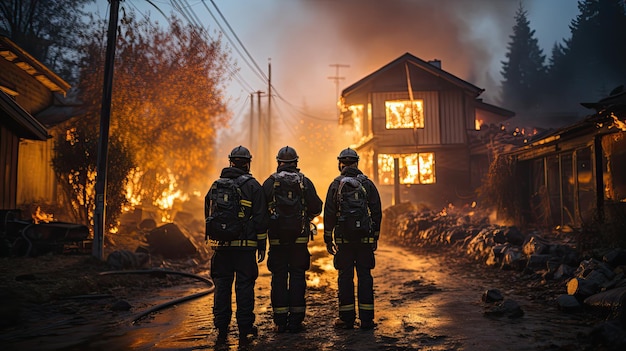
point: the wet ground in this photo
(424, 301)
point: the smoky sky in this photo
(467, 36)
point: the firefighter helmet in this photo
(287, 154)
(240, 152)
(348, 155)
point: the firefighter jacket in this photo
(312, 202)
(331, 212)
(254, 236)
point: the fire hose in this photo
(156, 308)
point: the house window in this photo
(418, 168)
(357, 119)
(401, 114)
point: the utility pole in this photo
(251, 135)
(99, 217)
(337, 78)
(268, 167)
(260, 139)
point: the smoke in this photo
(469, 37)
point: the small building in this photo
(576, 176)
(27, 88)
(410, 121)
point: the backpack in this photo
(225, 209)
(287, 208)
(354, 220)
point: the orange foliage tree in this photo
(167, 102)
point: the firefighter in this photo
(237, 261)
(292, 203)
(353, 253)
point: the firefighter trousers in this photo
(238, 266)
(288, 264)
(359, 257)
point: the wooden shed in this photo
(27, 88)
(576, 175)
(409, 121)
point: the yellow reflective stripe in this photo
(261, 236)
(349, 307)
(274, 241)
(240, 243)
(299, 240)
(366, 306)
(368, 240)
(246, 203)
(279, 310)
(297, 309)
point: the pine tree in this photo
(591, 63)
(524, 70)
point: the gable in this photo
(421, 74)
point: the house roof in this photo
(616, 99)
(420, 64)
(62, 109)
(610, 117)
(20, 58)
(21, 122)
(493, 109)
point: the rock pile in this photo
(595, 282)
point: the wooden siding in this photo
(453, 117)
(32, 95)
(9, 146)
(37, 180)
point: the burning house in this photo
(410, 122)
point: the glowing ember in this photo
(403, 114)
(617, 123)
(39, 216)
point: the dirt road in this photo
(423, 302)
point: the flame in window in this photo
(417, 168)
(478, 123)
(402, 114)
(357, 119)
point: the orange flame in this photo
(40, 216)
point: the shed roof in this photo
(21, 122)
(20, 58)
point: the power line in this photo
(337, 78)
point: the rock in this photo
(612, 300)
(121, 305)
(538, 261)
(170, 241)
(616, 257)
(507, 308)
(568, 303)
(535, 245)
(514, 236)
(492, 295)
(513, 259)
(564, 271)
(124, 259)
